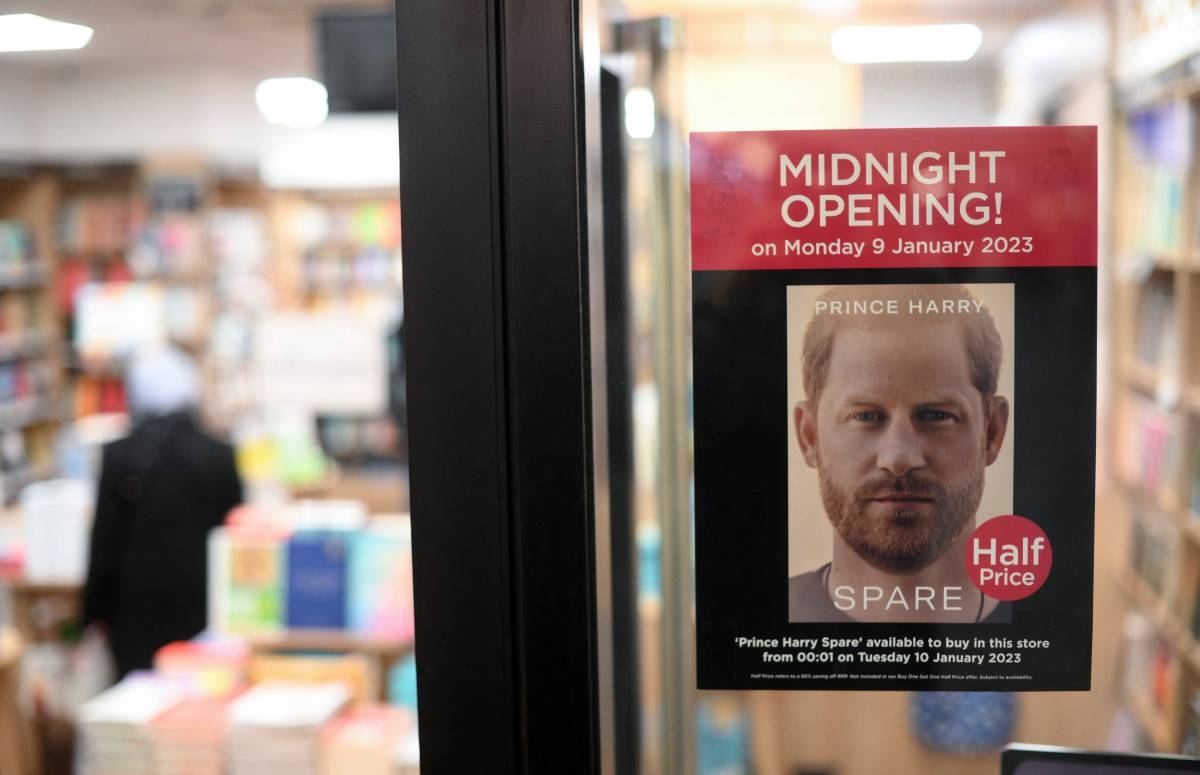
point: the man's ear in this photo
(804, 418)
(997, 426)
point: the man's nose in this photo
(900, 448)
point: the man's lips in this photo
(901, 499)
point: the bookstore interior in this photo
(207, 193)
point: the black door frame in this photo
(496, 281)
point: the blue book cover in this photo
(316, 588)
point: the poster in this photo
(894, 360)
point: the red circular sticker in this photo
(1009, 557)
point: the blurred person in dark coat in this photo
(162, 489)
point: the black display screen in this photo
(358, 60)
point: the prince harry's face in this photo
(900, 437)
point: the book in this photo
(189, 739)
(363, 741)
(246, 579)
(1157, 331)
(113, 726)
(206, 668)
(276, 727)
(316, 579)
(352, 671)
(380, 601)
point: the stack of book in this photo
(189, 739)
(350, 670)
(276, 727)
(113, 726)
(205, 668)
(364, 741)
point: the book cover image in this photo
(894, 354)
(316, 579)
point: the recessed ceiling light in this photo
(912, 43)
(300, 103)
(30, 32)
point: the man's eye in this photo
(934, 415)
(870, 416)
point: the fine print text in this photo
(826, 657)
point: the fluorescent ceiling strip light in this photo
(919, 43)
(30, 32)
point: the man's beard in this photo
(902, 540)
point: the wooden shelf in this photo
(23, 344)
(1191, 528)
(21, 278)
(1139, 593)
(1164, 620)
(383, 652)
(1141, 375)
(1163, 500)
(1191, 399)
(19, 585)
(23, 412)
(1156, 725)
(1155, 74)
(328, 640)
(29, 342)
(196, 276)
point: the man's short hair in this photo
(984, 349)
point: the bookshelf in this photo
(97, 215)
(179, 234)
(30, 367)
(336, 250)
(1154, 449)
(339, 252)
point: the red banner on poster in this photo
(875, 198)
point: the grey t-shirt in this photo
(808, 601)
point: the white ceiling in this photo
(253, 33)
(165, 74)
(277, 35)
(729, 25)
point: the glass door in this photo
(646, 297)
(547, 296)
(679, 67)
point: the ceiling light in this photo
(919, 43)
(300, 103)
(30, 32)
(639, 113)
